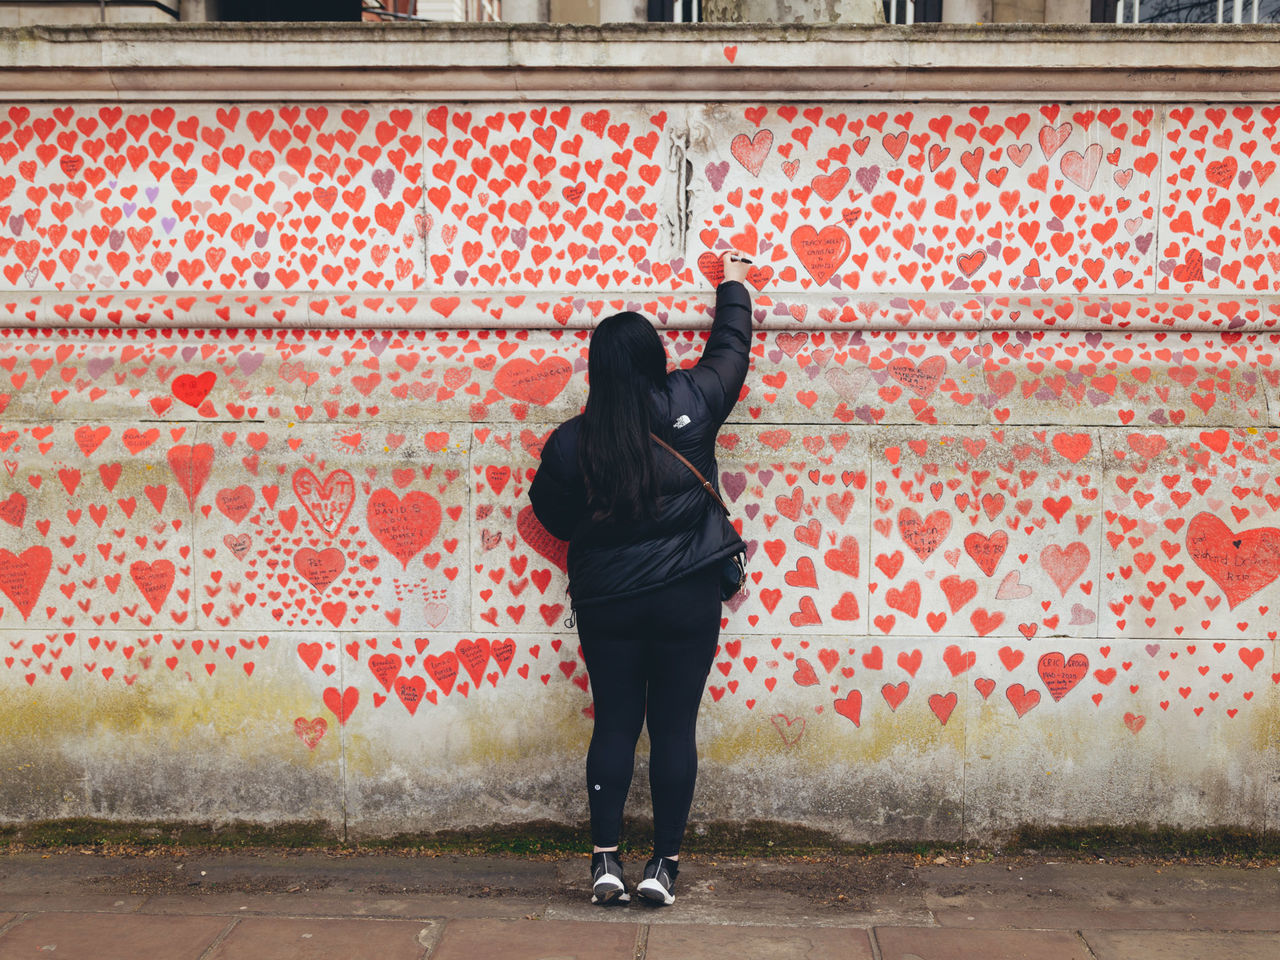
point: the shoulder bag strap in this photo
(706, 485)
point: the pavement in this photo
(315, 905)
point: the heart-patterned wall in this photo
(276, 379)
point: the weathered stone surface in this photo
(323, 939)
(1192, 946)
(531, 939)
(111, 937)
(670, 941)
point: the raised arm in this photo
(722, 368)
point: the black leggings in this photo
(653, 650)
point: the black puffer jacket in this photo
(609, 562)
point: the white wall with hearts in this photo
(275, 378)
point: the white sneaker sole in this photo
(609, 889)
(655, 893)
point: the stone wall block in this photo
(1102, 733)
(1112, 379)
(546, 197)
(991, 534)
(800, 497)
(1189, 518)
(840, 729)
(212, 726)
(429, 739)
(1220, 198)
(923, 197)
(45, 713)
(232, 197)
(308, 528)
(98, 525)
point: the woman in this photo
(646, 545)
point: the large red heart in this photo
(403, 526)
(1060, 674)
(22, 576)
(531, 382)
(1240, 563)
(821, 253)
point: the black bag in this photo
(733, 573)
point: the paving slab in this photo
(293, 939)
(932, 943)
(688, 942)
(73, 902)
(97, 936)
(1131, 945)
(338, 904)
(1072, 917)
(535, 940)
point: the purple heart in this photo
(1143, 243)
(168, 223)
(129, 209)
(97, 366)
(751, 509)
(765, 476)
(733, 484)
(1246, 178)
(634, 214)
(865, 414)
(249, 362)
(260, 237)
(1159, 417)
(383, 180)
(919, 250)
(15, 224)
(377, 346)
(993, 248)
(1055, 224)
(1212, 264)
(1166, 266)
(171, 277)
(644, 266)
(519, 236)
(677, 265)
(152, 193)
(1093, 339)
(115, 239)
(1152, 649)
(261, 278)
(867, 178)
(716, 172)
(189, 352)
(460, 277)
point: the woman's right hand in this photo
(735, 267)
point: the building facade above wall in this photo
(638, 61)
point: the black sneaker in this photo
(607, 885)
(658, 885)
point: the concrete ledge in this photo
(639, 62)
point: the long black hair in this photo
(625, 361)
